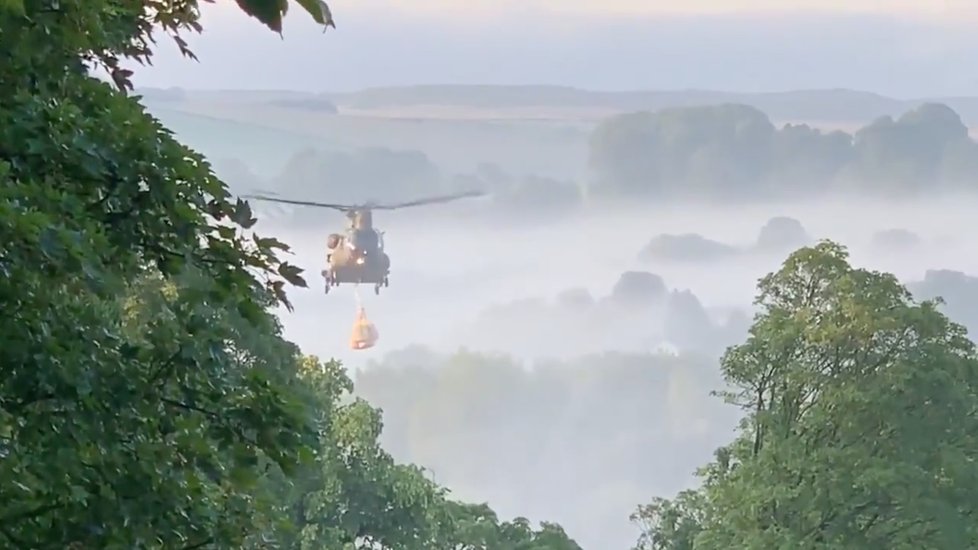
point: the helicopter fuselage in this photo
(355, 258)
(358, 256)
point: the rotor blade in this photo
(430, 200)
(343, 207)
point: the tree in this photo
(352, 492)
(670, 524)
(914, 150)
(476, 526)
(147, 397)
(733, 151)
(682, 151)
(143, 383)
(859, 420)
(958, 292)
(376, 173)
(805, 159)
(355, 495)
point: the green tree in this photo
(722, 149)
(143, 383)
(147, 397)
(805, 159)
(355, 496)
(353, 493)
(734, 151)
(670, 524)
(374, 173)
(477, 526)
(860, 420)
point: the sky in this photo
(901, 48)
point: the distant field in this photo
(848, 126)
(268, 135)
(264, 149)
(543, 140)
(585, 117)
(458, 112)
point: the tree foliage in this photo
(143, 382)
(860, 422)
(354, 495)
(735, 151)
(147, 397)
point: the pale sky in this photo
(902, 48)
(942, 9)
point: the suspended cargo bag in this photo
(364, 333)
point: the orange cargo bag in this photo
(364, 332)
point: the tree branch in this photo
(29, 514)
(200, 544)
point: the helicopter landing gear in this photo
(377, 289)
(329, 280)
(387, 283)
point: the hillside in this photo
(829, 107)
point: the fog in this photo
(446, 273)
(556, 348)
(551, 347)
(458, 281)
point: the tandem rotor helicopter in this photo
(357, 255)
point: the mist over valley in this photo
(592, 279)
(489, 276)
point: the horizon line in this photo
(397, 87)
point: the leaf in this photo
(242, 214)
(217, 209)
(292, 274)
(319, 10)
(268, 244)
(16, 6)
(122, 79)
(268, 12)
(226, 232)
(78, 494)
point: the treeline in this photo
(388, 175)
(640, 313)
(734, 151)
(147, 396)
(723, 151)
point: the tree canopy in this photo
(147, 397)
(860, 423)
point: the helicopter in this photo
(357, 255)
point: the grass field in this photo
(264, 137)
